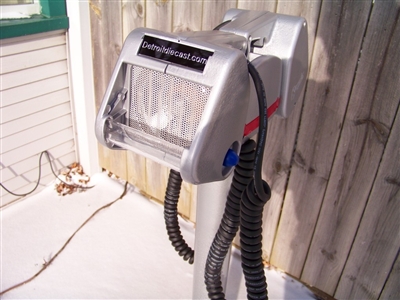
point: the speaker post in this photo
(211, 199)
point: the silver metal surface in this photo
(211, 198)
(279, 35)
(166, 107)
(189, 117)
(186, 114)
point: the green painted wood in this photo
(53, 17)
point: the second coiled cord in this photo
(171, 217)
(230, 222)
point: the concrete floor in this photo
(123, 252)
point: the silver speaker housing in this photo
(186, 118)
(225, 81)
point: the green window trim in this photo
(53, 17)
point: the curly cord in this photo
(254, 198)
(244, 208)
(230, 222)
(251, 213)
(171, 216)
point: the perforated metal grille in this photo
(166, 107)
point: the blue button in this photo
(231, 159)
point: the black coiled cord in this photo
(246, 199)
(230, 222)
(251, 213)
(246, 209)
(171, 216)
(254, 198)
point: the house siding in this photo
(36, 112)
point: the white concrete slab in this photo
(122, 253)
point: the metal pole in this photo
(211, 199)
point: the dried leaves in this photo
(72, 179)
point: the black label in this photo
(176, 53)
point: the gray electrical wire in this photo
(40, 175)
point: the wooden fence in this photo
(334, 165)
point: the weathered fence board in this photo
(187, 16)
(213, 12)
(281, 139)
(106, 26)
(133, 16)
(378, 238)
(257, 5)
(366, 271)
(341, 30)
(392, 286)
(368, 120)
(310, 10)
(159, 15)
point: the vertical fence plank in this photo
(136, 169)
(368, 120)
(187, 15)
(133, 16)
(281, 138)
(105, 20)
(378, 239)
(156, 179)
(392, 286)
(214, 11)
(257, 5)
(310, 10)
(158, 16)
(340, 30)
(187, 201)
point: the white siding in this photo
(35, 111)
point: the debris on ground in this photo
(72, 179)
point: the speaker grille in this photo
(165, 107)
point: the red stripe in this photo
(253, 125)
(249, 128)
